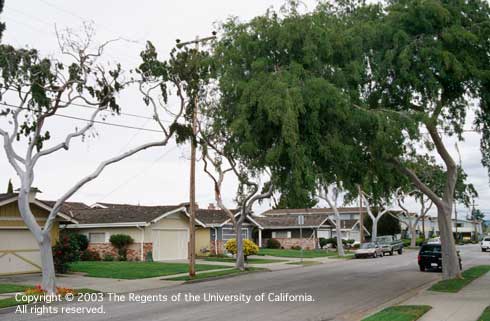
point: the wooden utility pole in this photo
(192, 183)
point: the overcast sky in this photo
(157, 176)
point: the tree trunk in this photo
(450, 261)
(413, 235)
(340, 245)
(48, 281)
(374, 230)
(240, 258)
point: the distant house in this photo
(282, 224)
(19, 250)
(464, 228)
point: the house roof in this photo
(122, 213)
(68, 207)
(7, 196)
(309, 211)
(213, 216)
(290, 220)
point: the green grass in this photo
(348, 256)
(10, 288)
(250, 261)
(454, 285)
(296, 253)
(400, 313)
(135, 270)
(304, 263)
(210, 275)
(486, 315)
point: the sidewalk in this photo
(466, 305)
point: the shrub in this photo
(295, 247)
(323, 242)
(273, 244)
(82, 241)
(249, 247)
(108, 257)
(121, 242)
(89, 255)
(149, 256)
(65, 251)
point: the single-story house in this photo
(19, 250)
(162, 231)
(282, 224)
(221, 229)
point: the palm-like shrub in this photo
(249, 247)
(121, 242)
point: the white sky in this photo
(157, 176)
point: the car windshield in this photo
(487, 239)
(433, 248)
(384, 239)
(367, 246)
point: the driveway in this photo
(341, 290)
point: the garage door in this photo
(170, 244)
(19, 252)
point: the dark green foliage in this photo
(149, 256)
(296, 247)
(387, 225)
(273, 244)
(121, 242)
(89, 255)
(108, 257)
(81, 239)
(10, 187)
(323, 242)
(65, 251)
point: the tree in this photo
(387, 225)
(121, 242)
(434, 176)
(332, 202)
(10, 187)
(375, 216)
(217, 151)
(477, 217)
(35, 89)
(426, 62)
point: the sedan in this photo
(485, 244)
(369, 249)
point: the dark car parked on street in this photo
(430, 257)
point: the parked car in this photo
(485, 244)
(369, 249)
(390, 244)
(434, 240)
(430, 256)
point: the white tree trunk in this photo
(240, 258)
(374, 229)
(340, 245)
(48, 282)
(450, 260)
(413, 235)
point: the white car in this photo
(485, 244)
(369, 249)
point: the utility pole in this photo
(192, 183)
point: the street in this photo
(342, 290)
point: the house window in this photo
(281, 234)
(96, 237)
(229, 233)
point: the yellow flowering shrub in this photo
(249, 247)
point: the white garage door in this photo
(170, 244)
(19, 252)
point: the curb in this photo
(212, 278)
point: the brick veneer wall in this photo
(219, 248)
(288, 243)
(134, 250)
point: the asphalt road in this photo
(342, 290)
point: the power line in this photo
(144, 170)
(88, 120)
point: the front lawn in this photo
(10, 288)
(250, 261)
(135, 270)
(210, 275)
(296, 253)
(454, 285)
(400, 313)
(486, 315)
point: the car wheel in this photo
(400, 251)
(391, 253)
(375, 255)
(382, 254)
(422, 268)
(483, 250)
